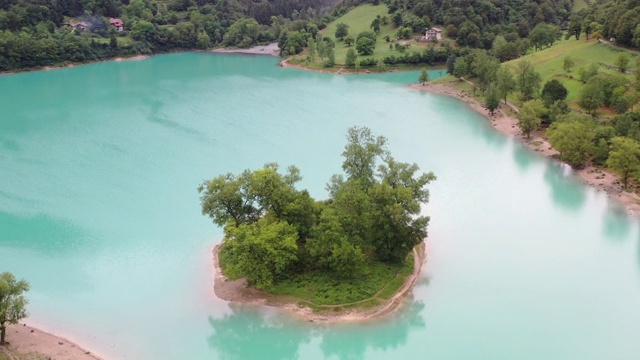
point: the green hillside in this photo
(549, 62)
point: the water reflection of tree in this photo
(351, 342)
(565, 191)
(617, 224)
(248, 334)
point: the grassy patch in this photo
(326, 289)
(394, 285)
(359, 19)
(549, 62)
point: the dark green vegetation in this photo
(35, 33)
(12, 302)
(336, 251)
(617, 20)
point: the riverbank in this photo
(504, 121)
(70, 65)
(237, 291)
(29, 343)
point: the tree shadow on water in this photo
(247, 333)
(566, 192)
(616, 224)
(352, 342)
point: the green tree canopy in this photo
(623, 157)
(574, 141)
(13, 303)
(529, 117)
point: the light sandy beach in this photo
(26, 342)
(271, 50)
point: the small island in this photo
(351, 256)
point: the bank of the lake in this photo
(28, 342)
(237, 291)
(504, 120)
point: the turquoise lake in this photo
(99, 166)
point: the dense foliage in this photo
(36, 33)
(618, 20)
(273, 230)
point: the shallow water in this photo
(99, 166)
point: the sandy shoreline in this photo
(270, 50)
(236, 291)
(26, 341)
(506, 123)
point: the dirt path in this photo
(237, 291)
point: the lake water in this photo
(99, 166)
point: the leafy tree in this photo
(461, 67)
(381, 65)
(375, 25)
(365, 46)
(342, 30)
(12, 302)
(395, 206)
(263, 250)
(528, 80)
(350, 59)
(360, 154)
(349, 40)
(529, 117)
(243, 33)
(568, 64)
(573, 139)
(203, 40)
(424, 76)
(505, 83)
(588, 73)
(553, 91)
(311, 50)
(544, 35)
(623, 157)
(575, 27)
(591, 97)
(622, 62)
(491, 98)
(331, 58)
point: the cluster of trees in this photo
(271, 228)
(34, 34)
(476, 23)
(619, 19)
(580, 138)
(12, 302)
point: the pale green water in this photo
(99, 166)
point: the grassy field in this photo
(549, 62)
(580, 4)
(359, 19)
(378, 281)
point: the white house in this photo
(433, 34)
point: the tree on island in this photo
(274, 231)
(12, 302)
